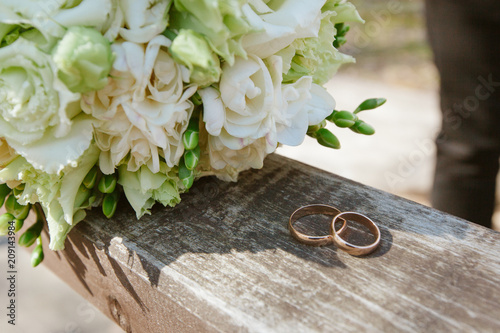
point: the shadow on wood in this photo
(223, 260)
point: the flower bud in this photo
(16, 209)
(363, 128)
(192, 157)
(344, 119)
(193, 51)
(82, 195)
(370, 104)
(90, 178)
(37, 255)
(29, 236)
(185, 175)
(190, 139)
(5, 219)
(18, 224)
(107, 184)
(327, 138)
(84, 59)
(109, 203)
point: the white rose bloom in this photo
(254, 104)
(303, 104)
(279, 23)
(145, 108)
(144, 19)
(51, 17)
(244, 108)
(250, 156)
(39, 116)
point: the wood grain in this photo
(223, 260)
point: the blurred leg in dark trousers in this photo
(465, 37)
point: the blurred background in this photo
(394, 61)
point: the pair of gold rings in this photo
(335, 235)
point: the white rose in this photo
(243, 112)
(145, 108)
(303, 104)
(253, 104)
(144, 19)
(51, 17)
(279, 23)
(38, 114)
(250, 156)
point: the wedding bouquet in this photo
(104, 97)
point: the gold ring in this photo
(312, 210)
(352, 249)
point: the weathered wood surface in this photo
(223, 260)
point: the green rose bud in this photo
(84, 59)
(192, 50)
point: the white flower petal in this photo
(213, 110)
(51, 154)
(320, 106)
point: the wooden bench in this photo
(223, 260)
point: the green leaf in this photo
(370, 104)
(169, 34)
(327, 138)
